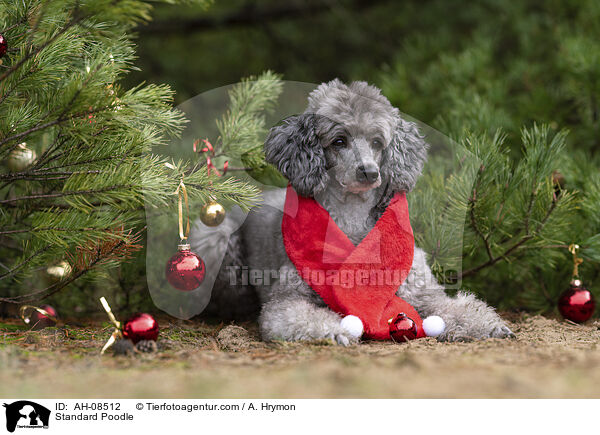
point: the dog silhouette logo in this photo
(26, 414)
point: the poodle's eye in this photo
(339, 142)
(377, 143)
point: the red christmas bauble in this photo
(3, 46)
(403, 328)
(185, 270)
(140, 326)
(40, 321)
(576, 304)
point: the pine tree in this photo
(518, 94)
(76, 146)
(517, 192)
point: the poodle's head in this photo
(350, 135)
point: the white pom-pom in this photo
(353, 325)
(433, 326)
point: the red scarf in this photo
(358, 280)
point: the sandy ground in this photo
(549, 358)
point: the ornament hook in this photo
(574, 249)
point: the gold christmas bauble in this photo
(212, 214)
(20, 158)
(59, 271)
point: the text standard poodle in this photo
(352, 152)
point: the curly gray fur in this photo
(351, 151)
(294, 148)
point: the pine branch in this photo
(37, 176)
(64, 194)
(243, 124)
(60, 140)
(9, 28)
(86, 162)
(474, 225)
(46, 125)
(91, 176)
(30, 54)
(15, 86)
(524, 239)
(33, 230)
(15, 269)
(76, 274)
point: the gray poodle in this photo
(351, 151)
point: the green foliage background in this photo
(497, 76)
(515, 83)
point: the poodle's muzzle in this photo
(367, 174)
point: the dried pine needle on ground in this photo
(549, 358)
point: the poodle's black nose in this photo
(367, 174)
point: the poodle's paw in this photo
(343, 339)
(502, 331)
(468, 318)
(464, 332)
(284, 323)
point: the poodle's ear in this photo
(294, 148)
(404, 158)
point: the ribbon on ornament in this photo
(183, 197)
(354, 280)
(574, 249)
(117, 334)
